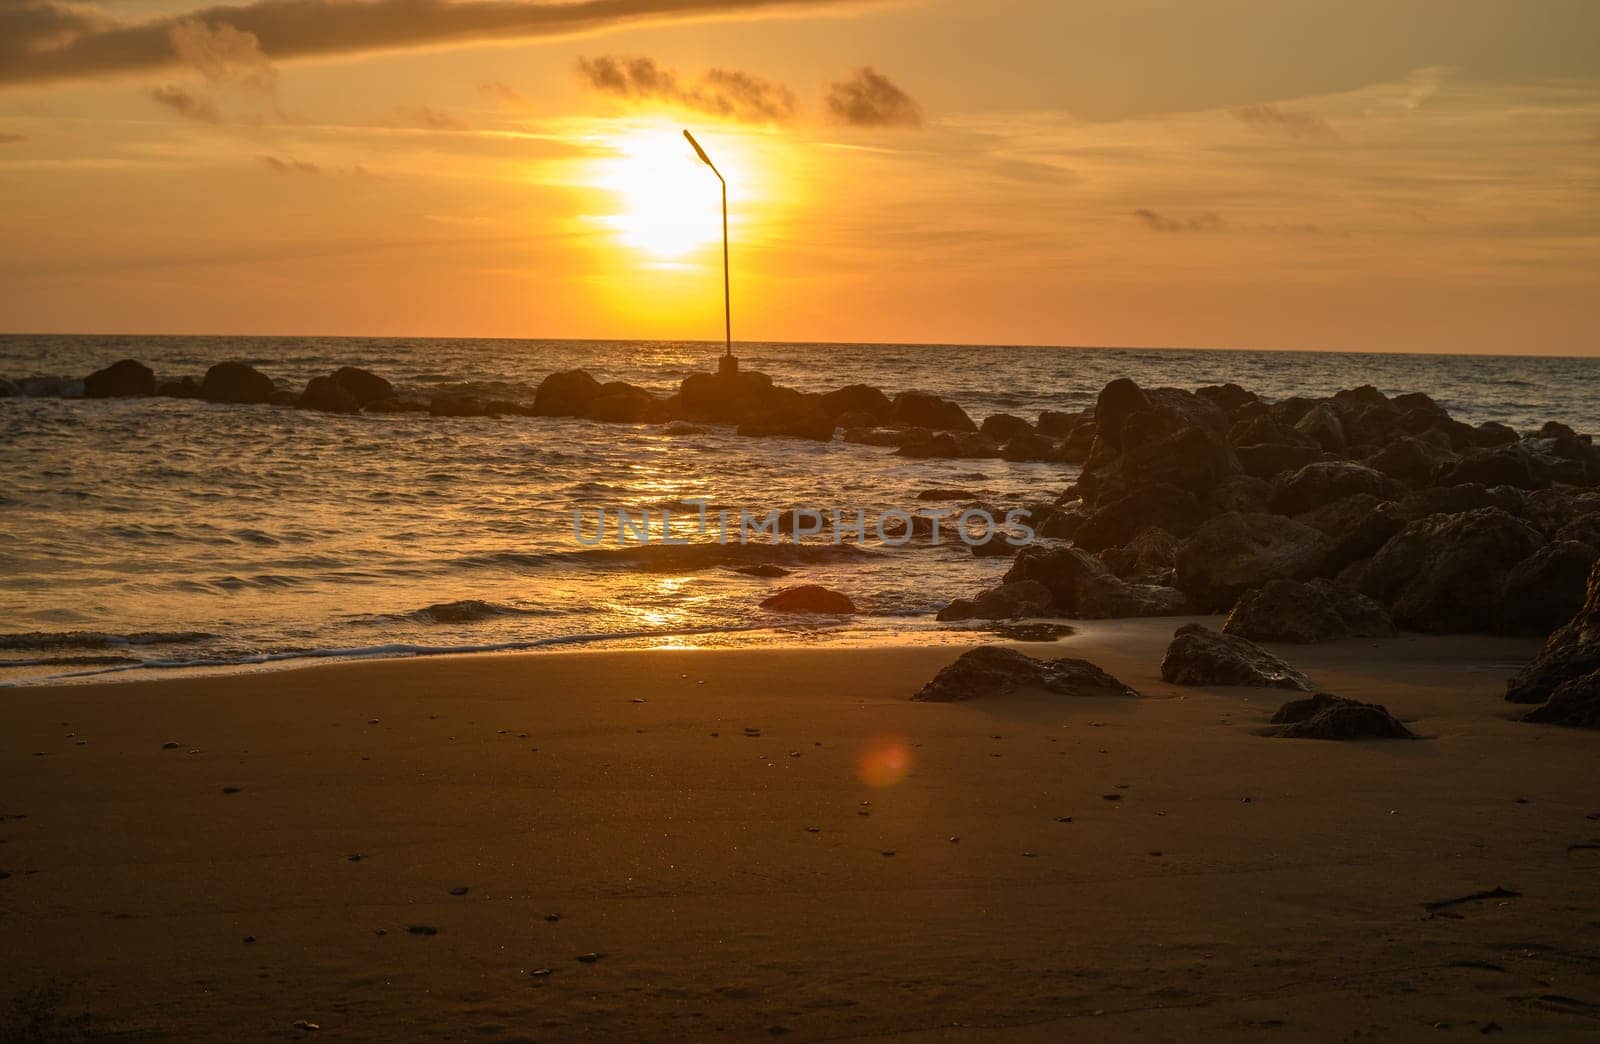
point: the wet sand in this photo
(1209, 881)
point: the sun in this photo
(667, 204)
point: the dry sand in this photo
(1237, 884)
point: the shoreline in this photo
(654, 808)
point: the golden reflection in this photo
(884, 763)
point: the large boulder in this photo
(236, 382)
(1201, 656)
(1325, 716)
(1322, 424)
(1026, 445)
(328, 395)
(1118, 400)
(858, 399)
(565, 394)
(1058, 569)
(1003, 427)
(619, 402)
(1326, 481)
(993, 670)
(1234, 552)
(1507, 465)
(1158, 446)
(1575, 703)
(1012, 601)
(1411, 460)
(1569, 654)
(1443, 574)
(120, 380)
(1544, 590)
(1146, 559)
(1356, 527)
(363, 386)
(1318, 611)
(1107, 597)
(929, 411)
(1120, 520)
(810, 598)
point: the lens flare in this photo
(884, 763)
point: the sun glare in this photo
(667, 203)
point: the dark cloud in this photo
(291, 165)
(504, 93)
(721, 92)
(186, 103)
(870, 99)
(1159, 222)
(1295, 124)
(43, 40)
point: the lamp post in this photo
(729, 366)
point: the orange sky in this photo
(1407, 175)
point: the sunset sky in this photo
(1387, 175)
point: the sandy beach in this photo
(430, 849)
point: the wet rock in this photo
(1269, 459)
(762, 569)
(1355, 527)
(1230, 398)
(1493, 433)
(1003, 427)
(568, 393)
(1162, 445)
(1008, 601)
(857, 399)
(1118, 400)
(327, 395)
(993, 670)
(234, 382)
(1570, 653)
(1322, 424)
(886, 436)
(363, 385)
(1443, 574)
(1325, 716)
(1200, 656)
(1511, 465)
(1122, 519)
(809, 598)
(930, 411)
(947, 494)
(1327, 481)
(619, 402)
(120, 380)
(1234, 552)
(1027, 446)
(1146, 559)
(1058, 569)
(1107, 597)
(1453, 500)
(1575, 703)
(1544, 590)
(1318, 611)
(1244, 493)
(1411, 460)
(456, 406)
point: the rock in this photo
(1060, 522)
(1107, 597)
(1356, 527)
(1269, 459)
(1200, 656)
(183, 388)
(1234, 552)
(1585, 529)
(1410, 460)
(566, 394)
(1027, 446)
(1318, 611)
(1453, 500)
(456, 406)
(618, 402)
(8, 390)
(1009, 601)
(930, 411)
(1493, 433)
(947, 494)
(1570, 653)
(328, 395)
(1117, 401)
(1443, 574)
(1509, 465)
(1146, 559)
(857, 398)
(1003, 427)
(1365, 395)
(1244, 493)
(236, 383)
(1324, 482)
(1325, 716)
(1546, 589)
(50, 388)
(364, 386)
(809, 598)
(763, 569)
(940, 446)
(1575, 703)
(1122, 519)
(1059, 569)
(992, 670)
(395, 406)
(1230, 398)
(120, 380)
(1056, 424)
(1322, 423)
(994, 544)
(1158, 446)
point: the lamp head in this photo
(698, 151)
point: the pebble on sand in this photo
(588, 958)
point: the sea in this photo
(168, 535)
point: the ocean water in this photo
(161, 533)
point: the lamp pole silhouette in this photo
(729, 365)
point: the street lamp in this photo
(729, 365)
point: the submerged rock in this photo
(763, 569)
(327, 395)
(1325, 716)
(235, 382)
(120, 380)
(809, 598)
(922, 410)
(567, 393)
(1200, 656)
(1318, 611)
(363, 386)
(992, 670)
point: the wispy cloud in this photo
(424, 117)
(186, 103)
(504, 93)
(12, 139)
(44, 40)
(1156, 221)
(871, 99)
(728, 93)
(1272, 118)
(291, 165)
